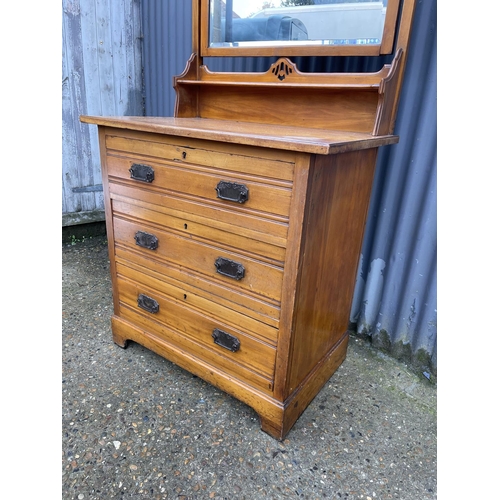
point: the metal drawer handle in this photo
(148, 304)
(230, 268)
(143, 173)
(146, 240)
(232, 191)
(226, 340)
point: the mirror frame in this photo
(201, 32)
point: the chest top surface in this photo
(301, 139)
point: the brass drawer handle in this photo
(143, 173)
(231, 191)
(230, 268)
(226, 340)
(146, 240)
(148, 304)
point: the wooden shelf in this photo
(312, 86)
(283, 95)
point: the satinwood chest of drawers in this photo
(237, 261)
(235, 227)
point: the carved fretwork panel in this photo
(282, 68)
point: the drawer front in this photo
(226, 188)
(209, 338)
(233, 269)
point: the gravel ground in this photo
(135, 426)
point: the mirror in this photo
(238, 27)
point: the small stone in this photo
(117, 444)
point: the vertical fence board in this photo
(102, 75)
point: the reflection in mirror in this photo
(253, 23)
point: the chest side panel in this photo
(335, 215)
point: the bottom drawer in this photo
(212, 340)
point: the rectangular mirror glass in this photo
(243, 24)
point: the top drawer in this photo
(213, 186)
(247, 183)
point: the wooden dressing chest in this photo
(234, 232)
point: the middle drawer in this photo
(200, 256)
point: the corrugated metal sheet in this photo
(167, 47)
(101, 75)
(395, 301)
